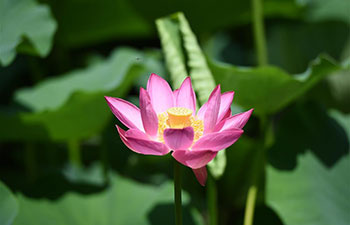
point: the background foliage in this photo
(61, 159)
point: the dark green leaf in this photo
(307, 182)
(72, 106)
(124, 202)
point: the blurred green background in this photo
(63, 163)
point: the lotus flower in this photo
(167, 121)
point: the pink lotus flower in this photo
(167, 121)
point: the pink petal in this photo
(218, 140)
(185, 96)
(225, 104)
(148, 115)
(127, 113)
(212, 111)
(179, 138)
(160, 93)
(236, 121)
(140, 145)
(201, 175)
(194, 159)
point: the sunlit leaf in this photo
(8, 205)
(27, 19)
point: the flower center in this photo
(179, 117)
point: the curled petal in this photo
(160, 93)
(148, 115)
(127, 113)
(227, 115)
(185, 96)
(224, 110)
(217, 141)
(139, 144)
(212, 111)
(225, 104)
(135, 133)
(201, 175)
(194, 159)
(236, 121)
(179, 138)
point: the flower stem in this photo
(177, 193)
(250, 205)
(259, 32)
(212, 201)
(74, 153)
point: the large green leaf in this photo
(184, 57)
(24, 19)
(308, 179)
(72, 106)
(124, 202)
(100, 77)
(312, 194)
(268, 89)
(8, 205)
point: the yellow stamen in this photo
(186, 120)
(179, 117)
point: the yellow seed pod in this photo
(179, 117)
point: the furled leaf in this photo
(200, 73)
(268, 89)
(218, 164)
(124, 202)
(72, 106)
(8, 205)
(308, 181)
(184, 57)
(24, 19)
(170, 37)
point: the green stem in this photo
(177, 193)
(74, 153)
(212, 201)
(259, 32)
(257, 168)
(250, 205)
